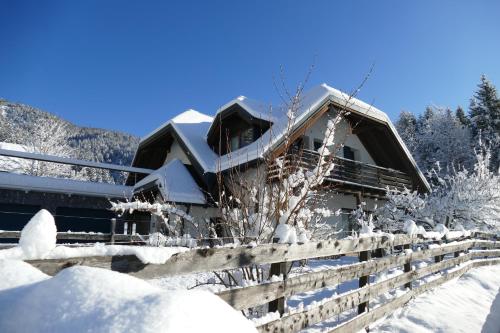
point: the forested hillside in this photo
(441, 139)
(43, 132)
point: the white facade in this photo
(176, 152)
(343, 134)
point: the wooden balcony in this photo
(348, 172)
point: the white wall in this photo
(342, 135)
(177, 152)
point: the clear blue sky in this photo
(131, 65)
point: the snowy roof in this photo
(187, 117)
(12, 164)
(311, 102)
(59, 185)
(256, 109)
(175, 184)
(193, 136)
(12, 146)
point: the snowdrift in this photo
(85, 299)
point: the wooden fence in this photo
(112, 237)
(451, 259)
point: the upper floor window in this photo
(241, 139)
(317, 144)
(234, 129)
(350, 153)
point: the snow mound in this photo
(38, 237)
(441, 229)
(192, 117)
(288, 234)
(468, 304)
(16, 273)
(146, 254)
(410, 228)
(85, 299)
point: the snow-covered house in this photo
(189, 150)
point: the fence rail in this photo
(82, 236)
(458, 258)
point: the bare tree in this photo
(283, 194)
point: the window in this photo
(317, 144)
(349, 153)
(301, 143)
(235, 142)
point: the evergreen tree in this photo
(462, 117)
(407, 129)
(485, 118)
(441, 138)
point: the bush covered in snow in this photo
(462, 198)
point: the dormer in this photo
(238, 124)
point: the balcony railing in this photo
(348, 172)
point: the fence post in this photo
(279, 268)
(407, 267)
(363, 280)
(113, 230)
(438, 258)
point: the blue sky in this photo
(131, 65)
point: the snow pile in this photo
(441, 229)
(288, 234)
(410, 228)
(192, 117)
(85, 299)
(468, 304)
(16, 273)
(146, 254)
(38, 237)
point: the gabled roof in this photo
(256, 109)
(311, 102)
(175, 184)
(189, 116)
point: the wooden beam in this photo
(244, 298)
(297, 321)
(214, 259)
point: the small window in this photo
(349, 153)
(317, 144)
(235, 142)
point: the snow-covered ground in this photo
(468, 304)
(82, 299)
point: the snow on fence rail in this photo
(217, 259)
(82, 236)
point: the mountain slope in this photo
(46, 133)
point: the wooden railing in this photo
(82, 237)
(112, 237)
(348, 171)
(224, 258)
